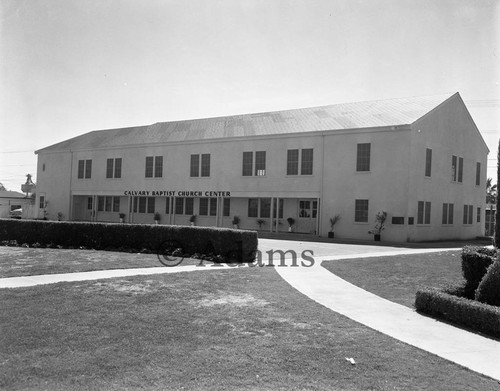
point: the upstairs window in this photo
(454, 168)
(428, 162)
(248, 168)
(154, 166)
(304, 160)
(195, 166)
(460, 169)
(363, 157)
(292, 163)
(478, 174)
(149, 166)
(200, 167)
(205, 165)
(306, 166)
(457, 167)
(84, 169)
(260, 163)
(114, 168)
(247, 163)
(158, 166)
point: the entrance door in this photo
(83, 208)
(308, 214)
(89, 212)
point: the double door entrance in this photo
(307, 220)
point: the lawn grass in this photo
(19, 261)
(397, 278)
(242, 328)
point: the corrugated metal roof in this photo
(371, 114)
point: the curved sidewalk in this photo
(470, 350)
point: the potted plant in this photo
(122, 217)
(333, 220)
(59, 216)
(45, 213)
(291, 222)
(192, 220)
(236, 222)
(157, 217)
(380, 219)
(261, 222)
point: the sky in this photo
(68, 67)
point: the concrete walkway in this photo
(19, 282)
(470, 350)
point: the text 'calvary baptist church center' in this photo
(422, 160)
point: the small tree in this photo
(380, 219)
(334, 220)
(192, 219)
(491, 192)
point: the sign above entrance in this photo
(176, 193)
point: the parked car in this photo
(16, 213)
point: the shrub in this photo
(231, 245)
(459, 310)
(488, 290)
(475, 263)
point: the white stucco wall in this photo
(385, 186)
(447, 130)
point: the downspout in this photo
(272, 214)
(277, 214)
(70, 214)
(410, 230)
(321, 200)
(217, 211)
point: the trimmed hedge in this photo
(488, 290)
(475, 263)
(459, 310)
(227, 244)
